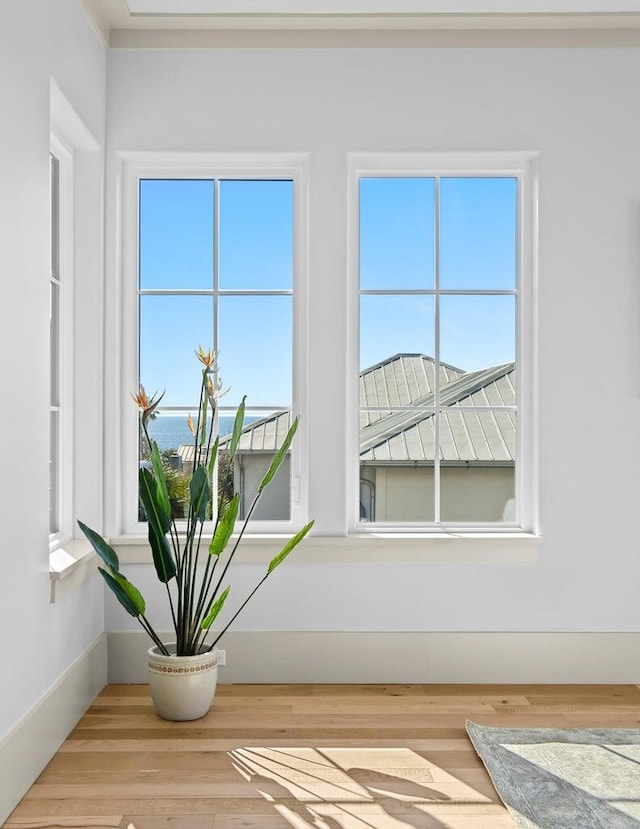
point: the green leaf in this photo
(212, 458)
(128, 595)
(104, 550)
(215, 610)
(238, 423)
(279, 456)
(158, 468)
(289, 546)
(225, 526)
(162, 556)
(151, 501)
(200, 492)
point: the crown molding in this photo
(372, 39)
(120, 28)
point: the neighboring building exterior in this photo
(477, 447)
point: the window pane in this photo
(477, 332)
(478, 219)
(171, 329)
(396, 494)
(169, 430)
(55, 216)
(403, 380)
(256, 234)
(395, 325)
(477, 471)
(397, 437)
(396, 233)
(54, 471)
(261, 438)
(275, 501)
(54, 344)
(255, 349)
(397, 449)
(176, 470)
(176, 233)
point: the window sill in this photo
(69, 565)
(378, 547)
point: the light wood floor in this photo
(301, 756)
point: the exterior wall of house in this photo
(274, 503)
(474, 494)
(477, 494)
(580, 109)
(38, 42)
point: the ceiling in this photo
(169, 23)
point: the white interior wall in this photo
(580, 109)
(39, 41)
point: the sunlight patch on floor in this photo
(355, 788)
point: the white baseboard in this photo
(29, 746)
(422, 657)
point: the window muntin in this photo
(438, 333)
(233, 291)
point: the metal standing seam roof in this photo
(264, 435)
(400, 380)
(467, 432)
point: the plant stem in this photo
(235, 546)
(173, 613)
(146, 433)
(213, 595)
(147, 626)
(207, 577)
(192, 590)
(196, 437)
(236, 614)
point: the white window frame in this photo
(63, 355)
(70, 554)
(133, 168)
(523, 167)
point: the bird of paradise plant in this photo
(195, 593)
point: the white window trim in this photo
(65, 347)
(122, 379)
(523, 166)
(369, 548)
(70, 559)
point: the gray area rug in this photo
(552, 778)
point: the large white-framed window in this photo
(215, 256)
(442, 371)
(61, 344)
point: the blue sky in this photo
(477, 234)
(397, 251)
(255, 252)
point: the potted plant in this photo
(183, 672)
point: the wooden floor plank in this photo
(301, 756)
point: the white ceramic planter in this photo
(182, 687)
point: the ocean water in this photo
(170, 432)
